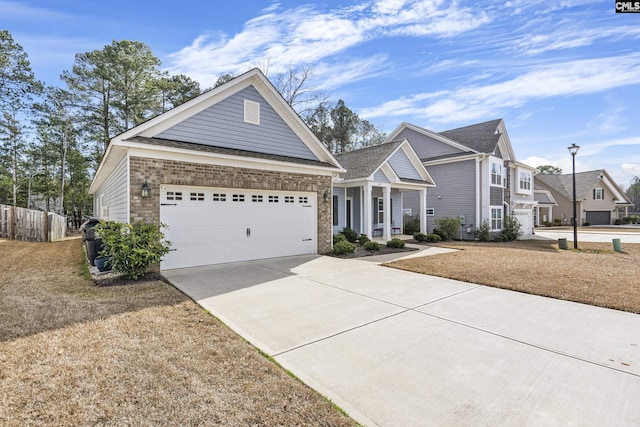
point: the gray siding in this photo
(114, 193)
(354, 193)
(379, 176)
(222, 125)
(496, 197)
(411, 200)
(396, 210)
(402, 166)
(339, 192)
(426, 147)
(457, 186)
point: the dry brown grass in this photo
(72, 353)
(593, 275)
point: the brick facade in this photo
(156, 172)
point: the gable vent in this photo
(251, 112)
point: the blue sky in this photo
(558, 72)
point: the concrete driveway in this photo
(394, 348)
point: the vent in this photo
(251, 112)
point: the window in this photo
(289, 199)
(335, 210)
(238, 198)
(197, 196)
(496, 219)
(380, 210)
(598, 194)
(496, 174)
(273, 199)
(303, 199)
(256, 198)
(524, 181)
(407, 212)
(174, 195)
(431, 211)
(219, 197)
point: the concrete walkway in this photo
(394, 348)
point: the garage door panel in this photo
(213, 227)
(598, 217)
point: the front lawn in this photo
(72, 353)
(594, 275)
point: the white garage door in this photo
(220, 225)
(525, 218)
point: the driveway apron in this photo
(394, 348)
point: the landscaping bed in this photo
(360, 251)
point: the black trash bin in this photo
(92, 242)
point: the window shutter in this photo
(594, 194)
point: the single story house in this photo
(368, 197)
(598, 197)
(235, 174)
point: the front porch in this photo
(374, 210)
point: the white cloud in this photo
(631, 169)
(569, 37)
(548, 80)
(306, 35)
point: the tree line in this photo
(53, 138)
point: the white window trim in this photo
(379, 210)
(430, 212)
(598, 191)
(501, 218)
(528, 180)
(499, 174)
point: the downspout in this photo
(478, 187)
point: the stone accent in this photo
(158, 171)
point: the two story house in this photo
(478, 177)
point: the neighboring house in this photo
(235, 174)
(598, 197)
(368, 197)
(544, 209)
(477, 175)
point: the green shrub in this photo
(483, 233)
(510, 230)
(633, 219)
(448, 226)
(411, 225)
(338, 238)
(372, 246)
(547, 223)
(557, 221)
(351, 235)
(617, 222)
(586, 224)
(363, 239)
(132, 248)
(343, 247)
(433, 238)
(395, 243)
(439, 233)
(420, 237)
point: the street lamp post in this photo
(573, 149)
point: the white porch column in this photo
(366, 210)
(423, 211)
(537, 224)
(386, 191)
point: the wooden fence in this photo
(31, 225)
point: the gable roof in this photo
(481, 137)
(363, 163)
(146, 134)
(585, 183)
(544, 197)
